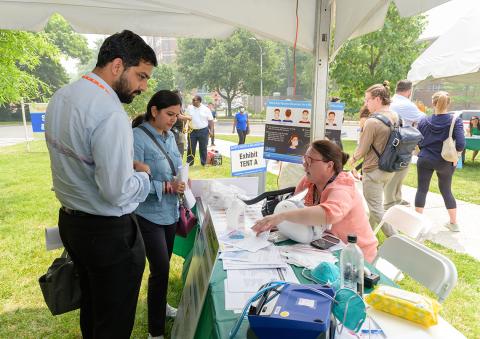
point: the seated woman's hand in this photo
(267, 223)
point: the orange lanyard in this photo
(86, 77)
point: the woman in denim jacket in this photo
(158, 214)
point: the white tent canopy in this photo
(455, 55)
(271, 19)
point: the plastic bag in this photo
(408, 305)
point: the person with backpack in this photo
(435, 130)
(372, 143)
(410, 115)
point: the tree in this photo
(382, 55)
(70, 44)
(164, 75)
(21, 52)
(231, 66)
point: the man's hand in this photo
(141, 167)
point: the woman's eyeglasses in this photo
(308, 159)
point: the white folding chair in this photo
(431, 269)
(406, 221)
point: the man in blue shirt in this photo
(410, 115)
(90, 143)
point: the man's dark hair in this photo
(403, 85)
(127, 46)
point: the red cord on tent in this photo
(294, 52)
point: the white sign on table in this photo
(247, 158)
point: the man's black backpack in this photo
(400, 145)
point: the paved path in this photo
(465, 241)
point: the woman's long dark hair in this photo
(161, 99)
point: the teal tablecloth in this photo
(472, 143)
(215, 322)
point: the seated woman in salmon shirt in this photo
(331, 199)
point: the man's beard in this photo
(125, 95)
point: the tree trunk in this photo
(229, 106)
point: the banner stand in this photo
(25, 124)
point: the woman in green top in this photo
(474, 130)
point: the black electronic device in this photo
(370, 279)
(325, 242)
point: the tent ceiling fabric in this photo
(454, 56)
(270, 19)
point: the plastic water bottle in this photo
(351, 266)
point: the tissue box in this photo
(408, 305)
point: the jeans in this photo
(199, 136)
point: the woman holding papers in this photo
(154, 145)
(331, 199)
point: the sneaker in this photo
(213, 145)
(171, 311)
(452, 227)
(404, 203)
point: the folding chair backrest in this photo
(433, 270)
(406, 221)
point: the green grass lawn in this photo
(27, 206)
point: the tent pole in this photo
(320, 86)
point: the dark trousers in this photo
(444, 170)
(159, 247)
(242, 135)
(212, 136)
(110, 257)
(199, 136)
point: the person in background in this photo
(410, 115)
(241, 123)
(375, 136)
(179, 126)
(201, 123)
(211, 107)
(435, 129)
(474, 130)
(331, 199)
(90, 143)
(158, 214)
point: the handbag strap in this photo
(452, 125)
(147, 132)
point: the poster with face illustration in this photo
(334, 121)
(287, 130)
